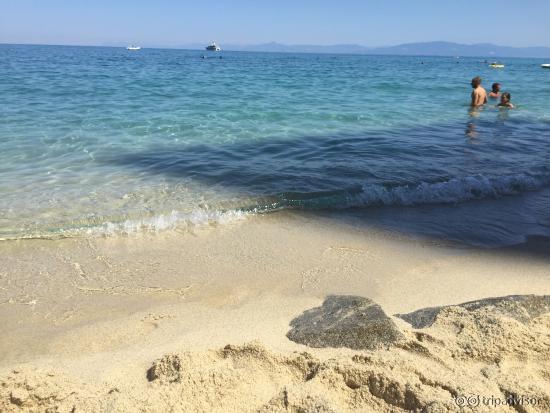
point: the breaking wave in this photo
(452, 191)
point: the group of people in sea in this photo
(480, 97)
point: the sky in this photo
(372, 23)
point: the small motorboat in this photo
(545, 65)
(496, 65)
(132, 47)
(213, 47)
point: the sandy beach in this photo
(198, 320)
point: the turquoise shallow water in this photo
(103, 140)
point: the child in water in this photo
(505, 99)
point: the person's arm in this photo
(473, 98)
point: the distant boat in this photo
(133, 47)
(213, 47)
(496, 65)
(545, 65)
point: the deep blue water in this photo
(100, 140)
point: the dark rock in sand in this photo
(345, 321)
(167, 369)
(519, 307)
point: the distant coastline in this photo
(436, 48)
(407, 49)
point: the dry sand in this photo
(197, 321)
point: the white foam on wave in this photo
(449, 192)
(163, 222)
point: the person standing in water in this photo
(495, 92)
(479, 95)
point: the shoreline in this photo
(101, 310)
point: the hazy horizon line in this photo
(272, 42)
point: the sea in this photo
(105, 141)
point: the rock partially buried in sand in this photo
(167, 369)
(19, 396)
(345, 321)
(522, 308)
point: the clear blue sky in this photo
(180, 22)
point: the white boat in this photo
(213, 47)
(545, 65)
(133, 47)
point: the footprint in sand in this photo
(154, 319)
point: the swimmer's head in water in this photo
(495, 87)
(476, 81)
(506, 97)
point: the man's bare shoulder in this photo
(479, 91)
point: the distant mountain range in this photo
(457, 49)
(411, 49)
